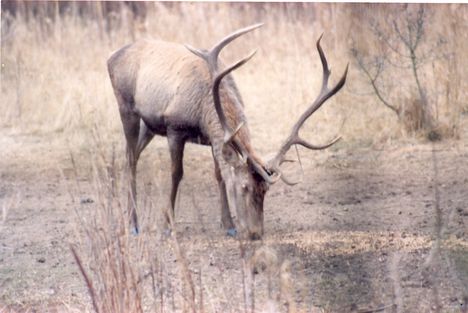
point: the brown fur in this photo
(182, 93)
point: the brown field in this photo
(379, 223)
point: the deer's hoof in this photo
(134, 231)
(167, 232)
(231, 232)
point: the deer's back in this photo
(162, 82)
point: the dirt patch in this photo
(366, 229)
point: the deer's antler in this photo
(294, 138)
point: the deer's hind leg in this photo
(131, 126)
(137, 136)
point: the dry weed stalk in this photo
(185, 273)
(89, 283)
(114, 258)
(109, 270)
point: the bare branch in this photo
(402, 37)
(372, 79)
(433, 52)
(419, 26)
(382, 36)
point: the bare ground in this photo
(374, 229)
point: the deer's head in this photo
(248, 177)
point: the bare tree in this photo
(400, 38)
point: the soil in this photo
(368, 229)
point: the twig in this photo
(372, 79)
(88, 281)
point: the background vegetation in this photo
(54, 54)
(54, 83)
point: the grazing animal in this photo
(177, 91)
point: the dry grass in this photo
(54, 78)
(152, 272)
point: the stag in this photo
(178, 91)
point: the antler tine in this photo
(211, 56)
(315, 147)
(228, 133)
(308, 146)
(226, 40)
(324, 95)
(291, 183)
(323, 60)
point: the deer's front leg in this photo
(226, 219)
(176, 148)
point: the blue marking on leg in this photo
(167, 232)
(231, 232)
(134, 231)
